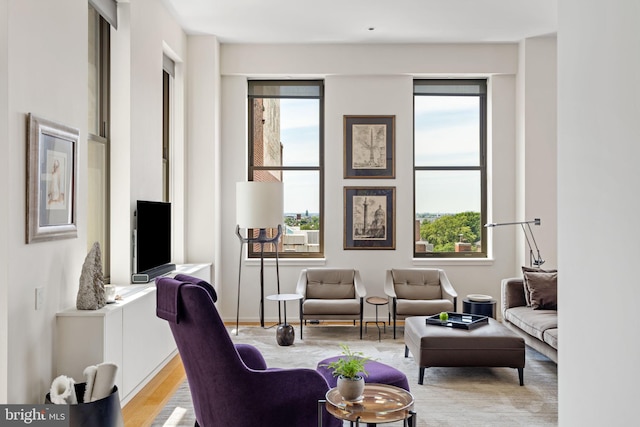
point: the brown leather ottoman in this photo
(491, 345)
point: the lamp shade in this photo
(259, 204)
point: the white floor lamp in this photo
(259, 205)
(534, 259)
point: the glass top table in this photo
(380, 404)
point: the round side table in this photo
(377, 301)
(285, 334)
(482, 308)
(380, 404)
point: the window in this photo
(168, 67)
(450, 176)
(286, 144)
(98, 136)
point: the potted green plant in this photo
(350, 370)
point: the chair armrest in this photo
(448, 291)
(361, 291)
(512, 293)
(301, 287)
(297, 389)
(251, 357)
(389, 288)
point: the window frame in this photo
(167, 129)
(481, 167)
(253, 250)
(103, 116)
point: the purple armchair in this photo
(231, 385)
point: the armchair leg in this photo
(394, 327)
(301, 316)
(395, 315)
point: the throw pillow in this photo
(532, 270)
(543, 290)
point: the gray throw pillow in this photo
(543, 290)
(526, 288)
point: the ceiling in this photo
(366, 21)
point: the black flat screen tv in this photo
(152, 242)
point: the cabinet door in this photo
(85, 340)
(147, 341)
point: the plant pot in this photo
(351, 389)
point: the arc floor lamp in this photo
(535, 259)
(259, 205)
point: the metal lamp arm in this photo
(529, 237)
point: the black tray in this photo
(459, 320)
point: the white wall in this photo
(536, 143)
(5, 176)
(47, 76)
(43, 70)
(358, 81)
(598, 178)
(204, 160)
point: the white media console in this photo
(126, 333)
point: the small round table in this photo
(482, 308)
(380, 404)
(377, 301)
(285, 333)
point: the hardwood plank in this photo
(147, 404)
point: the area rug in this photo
(449, 396)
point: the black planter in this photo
(100, 413)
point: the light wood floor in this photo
(147, 404)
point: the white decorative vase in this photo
(351, 389)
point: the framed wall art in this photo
(369, 146)
(369, 217)
(52, 162)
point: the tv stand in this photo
(126, 333)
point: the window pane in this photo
(285, 88)
(98, 135)
(302, 211)
(286, 132)
(300, 126)
(97, 203)
(301, 231)
(94, 72)
(447, 130)
(448, 211)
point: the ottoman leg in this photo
(421, 375)
(406, 351)
(521, 376)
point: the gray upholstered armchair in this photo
(418, 292)
(330, 293)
